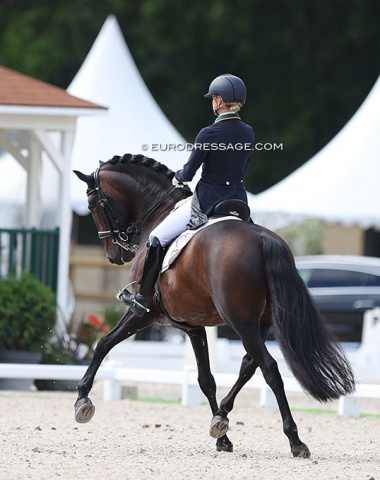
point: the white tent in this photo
(134, 119)
(341, 183)
(109, 77)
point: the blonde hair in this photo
(234, 107)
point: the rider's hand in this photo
(177, 183)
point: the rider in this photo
(223, 149)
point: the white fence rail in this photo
(131, 362)
(114, 375)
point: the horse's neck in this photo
(150, 199)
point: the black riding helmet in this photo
(229, 87)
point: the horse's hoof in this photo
(223, 444)
(84, 410)
(219, 426)
(301, 451)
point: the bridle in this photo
(121, 235)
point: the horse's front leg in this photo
(127, 326)
(206, 380)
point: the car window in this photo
(320, 277)
(373, 281)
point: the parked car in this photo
(343, 287)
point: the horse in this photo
(232, 272)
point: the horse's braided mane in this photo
(142, 160)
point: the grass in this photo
(314, 411)
(318, 411)
(157, 400)
(371, 415)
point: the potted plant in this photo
(27, 320)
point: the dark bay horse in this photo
(232, 272)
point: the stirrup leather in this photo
(153, 260)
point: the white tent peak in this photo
(341, 182)
(109, 77)
(105, 66)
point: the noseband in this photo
(122, 236)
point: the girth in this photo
(158, 303)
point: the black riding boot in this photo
(139, 302)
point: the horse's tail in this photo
(309, 347)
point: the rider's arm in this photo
(200, 149)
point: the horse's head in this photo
(109, 220)
(125, 198)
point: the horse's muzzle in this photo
(121, 257)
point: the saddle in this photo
(236, 208)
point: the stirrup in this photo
(130, 299)
(125, 296)
(128, 295)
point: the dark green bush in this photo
(27, 313)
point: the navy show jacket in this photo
(223, 149)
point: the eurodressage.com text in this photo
(188, 147)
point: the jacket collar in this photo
(227, 116)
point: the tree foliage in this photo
(307, 65)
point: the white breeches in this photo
(173, 225)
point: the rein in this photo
(122, 236)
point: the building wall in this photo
(95, 281)
(341, 240)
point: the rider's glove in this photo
(177, 183)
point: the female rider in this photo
(223, 149)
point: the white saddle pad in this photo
(175, 248)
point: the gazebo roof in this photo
(17, 89)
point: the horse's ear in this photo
(89, 179)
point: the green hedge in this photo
(27, 313)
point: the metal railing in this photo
(30, 250)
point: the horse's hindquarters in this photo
(218, 278)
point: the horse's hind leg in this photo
(219, 423)
(127, 326)
(248, 367)
(206, 380)
(257, 350)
